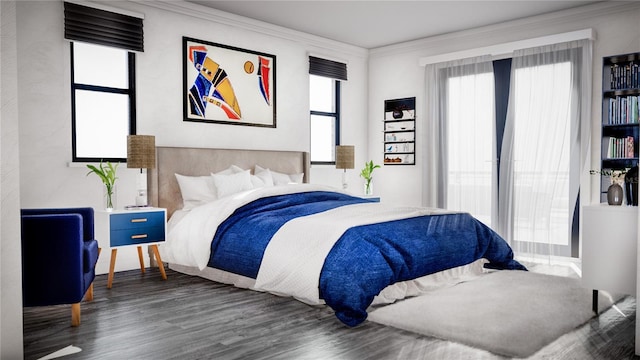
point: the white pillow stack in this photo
(199, 190)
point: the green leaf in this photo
(367, 171)
(106, 173)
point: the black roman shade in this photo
(327, 68)
(102, 27)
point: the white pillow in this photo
(262, 179)
(282, 179)
(230, 184)
(233, 169)
(198, 190)
(195, 190)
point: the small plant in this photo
(616, 176)
(106, 173)
(367, 174)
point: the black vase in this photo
(397, 114)
(631, 186)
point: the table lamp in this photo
(345, 155)
(141, 153)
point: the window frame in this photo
(335, 115)
(130, 91)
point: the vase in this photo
(109, 198)
(368, 188)
(614, 194)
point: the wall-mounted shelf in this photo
(400, 131)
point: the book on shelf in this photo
(620, 148)
(624, 110)
(624, 76)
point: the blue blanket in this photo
(366, 258)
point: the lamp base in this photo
(141, 198)
(344, 180)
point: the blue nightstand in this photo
(132, 228)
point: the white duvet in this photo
(294, 257)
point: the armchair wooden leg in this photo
(75, 314)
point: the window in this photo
(324, 103)
(103, 106)
(103, 102)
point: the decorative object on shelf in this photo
(106, 173)
(614, 194)
(631, 186)
(399, 131)
(141, 153)
(345, 155)
(214, 91)
(367, 174)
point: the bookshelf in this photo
(400, 131)
(620, 103)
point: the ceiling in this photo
(372, 24)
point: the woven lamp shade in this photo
(141, 151)
(345, 155)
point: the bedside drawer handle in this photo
(139, 220)
(141, 236)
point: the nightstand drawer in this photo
(140, 235)
(137, 220)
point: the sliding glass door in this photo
(517, 172)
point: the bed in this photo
(251, 218)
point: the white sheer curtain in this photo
(460, 146)
(545, 149)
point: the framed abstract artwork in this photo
(228, 85)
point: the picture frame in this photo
(228, 85)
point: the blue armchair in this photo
(59, 256)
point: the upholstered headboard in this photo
(162, 186)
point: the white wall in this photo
(394, 72)
(10, 264)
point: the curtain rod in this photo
(502, 50)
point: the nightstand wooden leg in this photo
(159, 261)
(141, 259)
(112, 267)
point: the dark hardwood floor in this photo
(185, 317)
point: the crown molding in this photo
(225, 18)
(519, 25)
